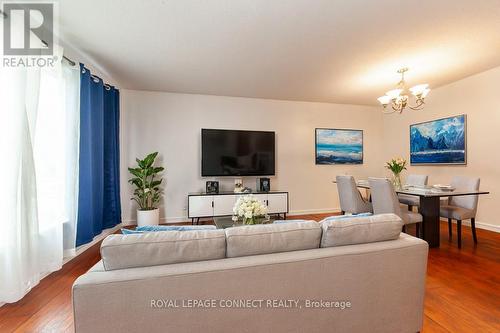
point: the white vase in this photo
(148, 217)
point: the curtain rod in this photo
(72, 63)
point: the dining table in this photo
(430, 200)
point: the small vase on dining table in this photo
(396, 165)
(396, 181)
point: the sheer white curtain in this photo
(39, 144)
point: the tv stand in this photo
(209, 205)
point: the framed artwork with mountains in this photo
(441, 141)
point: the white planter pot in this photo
(148, 217)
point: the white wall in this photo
(170, 123)
(478, 97)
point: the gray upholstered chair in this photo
(385, 200)
(462, 207)
(411, 200)
(351, 200)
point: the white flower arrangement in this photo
(248, 208)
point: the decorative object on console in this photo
(339, 146)
(249, 210)
(238, 185)
(263, 184)
(212, 187)
(399, 100)
(441, 141)
(396, 165)
(202, 205)
(148, 192)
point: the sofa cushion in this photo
(161, 248)
(360, 229)
(272, 238)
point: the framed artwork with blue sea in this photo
(339, 146)
(441, 141)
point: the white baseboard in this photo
(82, 248)
(481, 225)
(163, 220)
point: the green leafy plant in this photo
(147, 181)
(396, 165)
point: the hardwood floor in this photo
(462, 292)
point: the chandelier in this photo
(399, 99)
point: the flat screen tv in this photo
(237, 153)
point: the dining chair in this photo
(385, 200)
(461, 208)
(411, 200)
(351, 200)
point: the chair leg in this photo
(410, 208)
(417, 230)
(342, 212)
(459, 233)
(449, 229)
(473, 226)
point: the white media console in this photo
(221, 204)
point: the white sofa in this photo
(378, 286)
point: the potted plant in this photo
(147, 191)
(396, 165)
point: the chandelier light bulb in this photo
(419, 89)
(393, 94)
(384, 100)
(425, 92)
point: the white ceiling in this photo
(342, 51)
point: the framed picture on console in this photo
(440, 141)
(338, 146)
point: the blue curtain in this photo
(99, 181)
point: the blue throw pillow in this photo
(155, 228)
(290, 221)
(174, 227)
(341, 217)
(130, 232)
